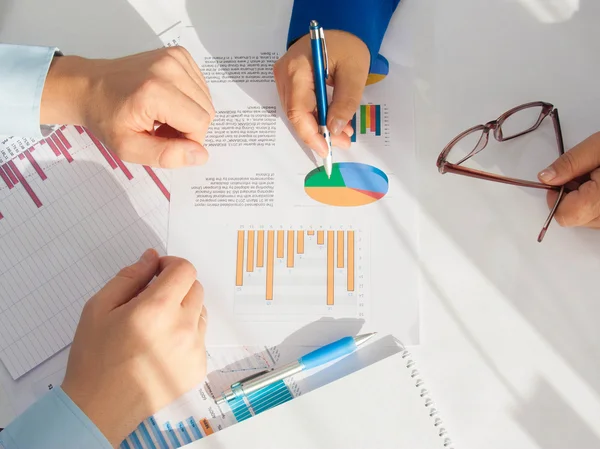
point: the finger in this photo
(185, 59)
(167, 131)
(203, 321)
(190, 88)
(129, 281)
(342, 141)
(173, 282)
(348, 130)
(300, 103)
(183, 76)
(349, 80)
(194, 301)
(578, 161)
(167, 104)
(581, 206)
(165, 152)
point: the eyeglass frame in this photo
(496, 126)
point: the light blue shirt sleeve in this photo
(54, 422)
(23, 71)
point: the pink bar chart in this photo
(60, 145)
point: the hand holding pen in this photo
(348, 61)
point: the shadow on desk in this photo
(102, 29)
(289, 350)
(547, 291)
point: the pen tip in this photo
(313, 23)
(360, 339)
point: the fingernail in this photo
(148, 256)
(337, 126)
(194, 157)
(547, 174)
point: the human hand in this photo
(349, 61)
(579, 170)
(121, 100)
(138, 346)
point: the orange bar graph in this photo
(330, 265)
(311, 232)
(340, 249)
(300, 242)
(206, 426)
(239, 272)
(280, 244)
(290, 249)
(270, 261)
(350, 268)
(250, 253)
(320, 237)
(260, 257)
(368, 116)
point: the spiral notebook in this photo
(383, 405)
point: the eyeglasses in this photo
(510, 125)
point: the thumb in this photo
(165, 152)
(129, 281)
(578, 161)
(349, 83)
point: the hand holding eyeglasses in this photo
(579, 170)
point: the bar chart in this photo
(60, 146)
(290, 273)
(171, 435)
(370, 123)
(72, 215)
(195, 415)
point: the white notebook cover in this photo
(381, 406)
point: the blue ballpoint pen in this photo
(316, 358)
(321, 71)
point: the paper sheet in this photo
(71, 215)
(283, 253)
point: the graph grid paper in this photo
(71, 215)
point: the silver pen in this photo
(318, 357)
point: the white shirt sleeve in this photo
(23, 71)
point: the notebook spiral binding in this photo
(429, 404)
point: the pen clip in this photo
(252, 376)
(325, 55)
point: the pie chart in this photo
(351, 184)
(380, 68)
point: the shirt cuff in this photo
(53, 422)
(368, 20)
(23, 71)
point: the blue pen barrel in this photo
(319, 75)
(328, 353)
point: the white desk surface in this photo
(510, 336)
